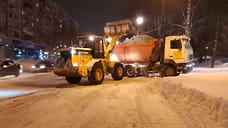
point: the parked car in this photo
(8, 67)
(42, 66)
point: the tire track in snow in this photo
(144, 119)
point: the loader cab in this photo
(95, 43)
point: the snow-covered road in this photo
(116, 104)
(48, 100)
(213, 81)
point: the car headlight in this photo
(114, 58)
(33, 66)
(42, 66)
(75, 64)
(5, 66)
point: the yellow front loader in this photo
(90, 59)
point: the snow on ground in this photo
(11, 86)
(132, 102)
(200, 98)
(197, 109)
(114, 104)
(212, 81)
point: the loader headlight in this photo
(75, 64)
(73, 52)
(114, 58)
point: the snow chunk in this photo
(137, 39)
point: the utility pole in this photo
(215, 43)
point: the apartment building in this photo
(39, 21)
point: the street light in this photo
(91, 38)
(139, 20)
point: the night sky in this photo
(92, 14)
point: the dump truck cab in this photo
(179, 53)
(87, 60)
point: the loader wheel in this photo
(73, 80)
(118, 72)
(169, 71)
(129, 71)
(97, 74)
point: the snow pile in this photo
(137, 39)
(197, 109)
(203, 70)
(219, 63)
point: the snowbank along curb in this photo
(197, 109)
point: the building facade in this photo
(43, 22)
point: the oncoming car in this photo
(42, 66)
(8, 67)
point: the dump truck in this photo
(170, 57)
(89, 59)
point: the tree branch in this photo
(194, 8)
(181, 26)
(202, 20)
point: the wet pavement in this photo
(8, 93)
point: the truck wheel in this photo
(129, 71)
(169, 71)
(97, 74)
(118, 72)
(73, 80)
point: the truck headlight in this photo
(33, 67)
(189, 65)
(114, 58)
(193, 64)
(75, 64)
